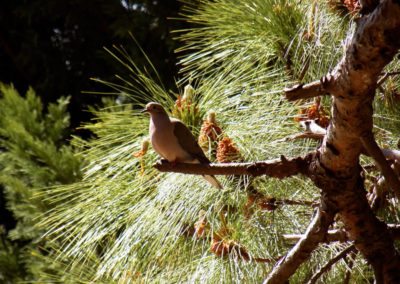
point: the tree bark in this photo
(336, 169)
(278, 168)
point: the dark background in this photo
(56, 46)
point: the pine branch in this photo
(279, 168)
(391, 154)
(331, 236)
(307, 91)
(330, 263)
(315, 234)
(295, 202)
(302, 135)
(339, 235)
(386, 76)
(350, 264)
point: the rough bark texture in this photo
(336, 170)
(371, 237)
(278, 168)
(309, 90)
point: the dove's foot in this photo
(163, 161)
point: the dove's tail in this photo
(213, 180)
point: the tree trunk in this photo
(336, 168)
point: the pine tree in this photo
(129, 222)
(34, 155)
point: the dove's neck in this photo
(160, 120)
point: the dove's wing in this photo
(189, 144)
(187, 141)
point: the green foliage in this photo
(262, 34)
(10, 271)
(129, 220)
(33, 156)
(125, 222)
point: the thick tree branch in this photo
(279, 168)
(335, 168)
(373, 45)
(371, 236)
(315, 234)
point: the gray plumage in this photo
(173, 141)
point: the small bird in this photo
(173, 141)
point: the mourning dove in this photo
(173, 141)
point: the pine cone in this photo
(227, 152)
(229, 248)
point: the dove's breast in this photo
(166, 144)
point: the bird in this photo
(173, 141)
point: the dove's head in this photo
(154, 108)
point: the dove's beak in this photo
(144, 110)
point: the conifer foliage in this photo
(127, 221)
(33, 156)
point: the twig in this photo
(385, 76)
(330, 263)
(331, 236)
(350, 264)
(315, 234)
(271, 204)
(369, 167)
(259, 200)
(306, 91)
(375, 152)
(302, 135)
(394, 73)
(279, 168)
(339, 235)
(296, 202)
(264, 260)
(305, 68)
(391, 154)
(382, 80)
